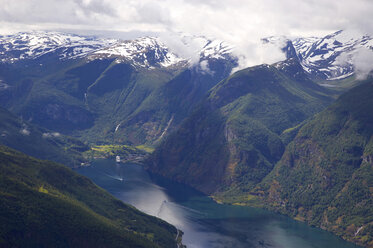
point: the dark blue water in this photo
(204, 222)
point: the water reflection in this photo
(204, 222)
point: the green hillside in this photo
(44, 204)
(39, 142)
(326, 176)
(106, 101)
(234, 138)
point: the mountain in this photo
(106, 90)
(331, 57)
(251, 137)
(33, 45)
(44, 204)
(144, 52)
(39, 142)
(325, 176)
(133, 91)
(234, 137)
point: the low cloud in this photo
(204, 67)
(186, 46)
(254, 53)
(362, 60)
(25, 131)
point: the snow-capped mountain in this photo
(33, 45)
(144, 52)
(331, 57)
(208, 48)
(328, 58)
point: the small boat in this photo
(117, 159)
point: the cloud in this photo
(362, 59)
(184, 45)
(153, 13)
(204, 67)
(254, 53)
(96, 6)
(241, 23)
(24, 131)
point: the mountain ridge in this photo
(143, 51)
(236, 129)
(136, 92)
(324, 58)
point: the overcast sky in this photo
(211, 17)
(240, 22)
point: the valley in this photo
(204, 222)
(293, 137)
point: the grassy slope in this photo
(233, 139)
(134, 154)
(44, 204)
(147, 103)
(55, 98)
(116, 104)
(89, 99)
(325, 176)
(44, 102)
(29, 139)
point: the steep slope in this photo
(325, 176)
(165, 107)
(232, 140)
(112, 91)
(44, 204)
(39, 142)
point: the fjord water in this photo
(204, 222)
